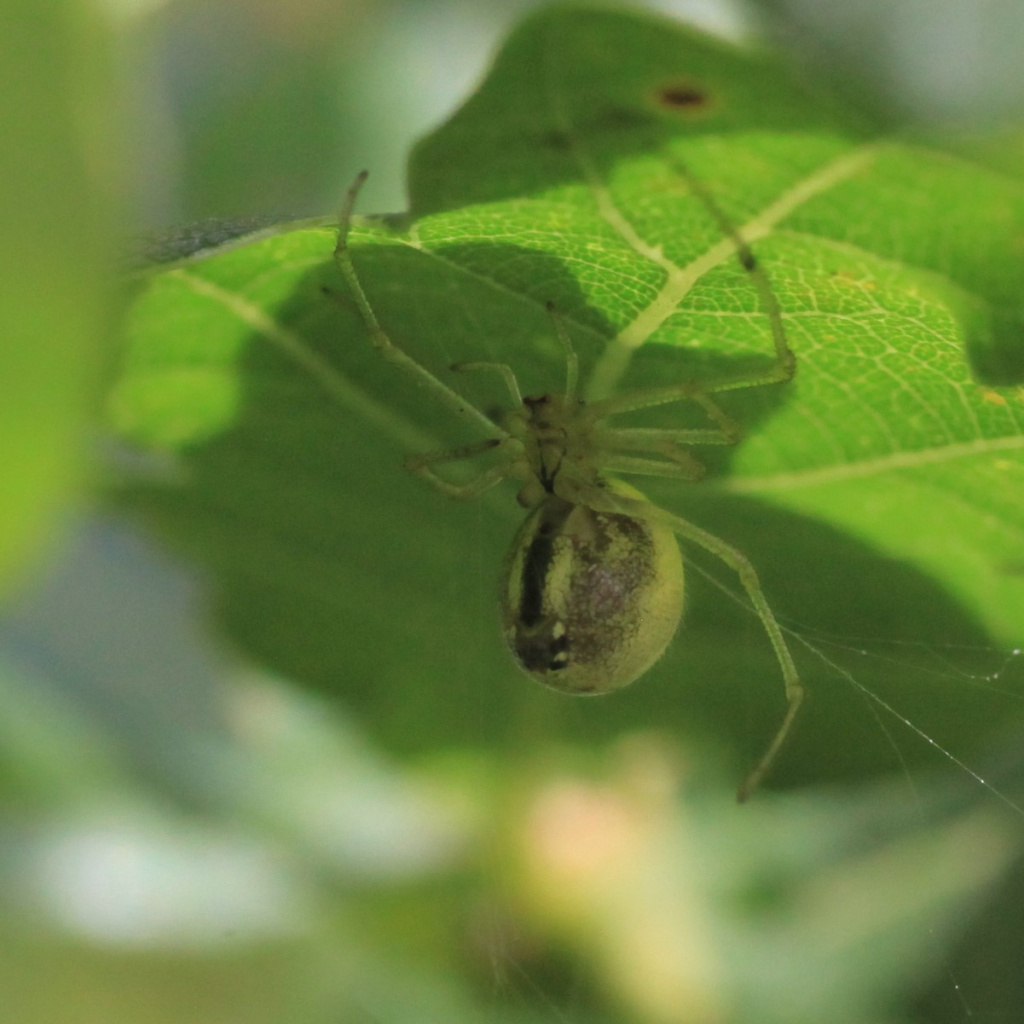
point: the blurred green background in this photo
(183, 839)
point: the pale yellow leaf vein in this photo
(680, 280)
(826, 475)
(291, 345)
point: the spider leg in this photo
(785, 358)
(630, 451)
(685, 391)
(503, 369)
(656, 439)
(422, 465)
(783, 365)
(572, 362)
(604, 501)
(382, 342)
(725, 431)
(683, 466)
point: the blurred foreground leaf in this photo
(54, 261)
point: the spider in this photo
(593, 583)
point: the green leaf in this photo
(879, 494)
(55, 262)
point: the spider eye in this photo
(590, 599)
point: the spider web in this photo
(927, 804)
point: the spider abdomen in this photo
(590, 599)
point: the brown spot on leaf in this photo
(682, 96)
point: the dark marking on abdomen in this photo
(537, 560)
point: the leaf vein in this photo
(291, 345)
(824, 475)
